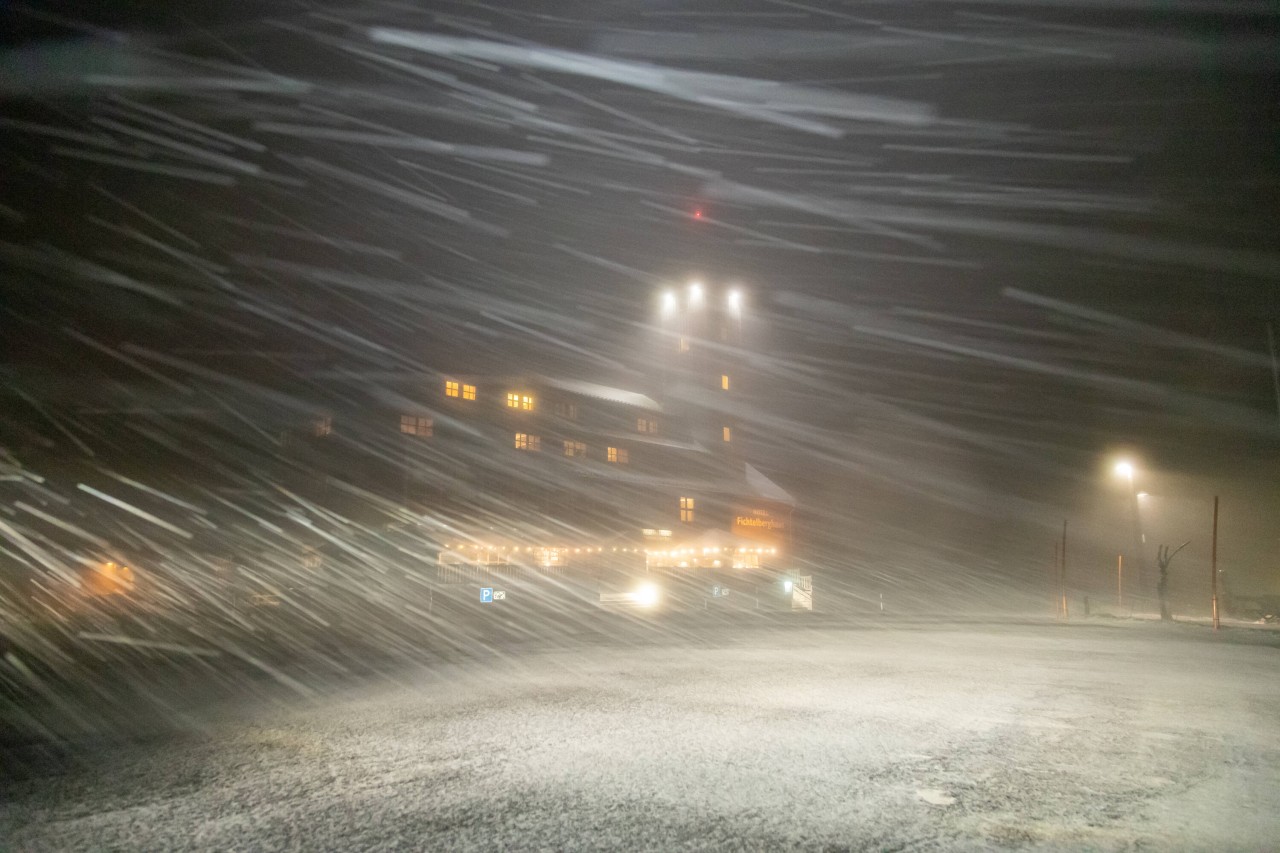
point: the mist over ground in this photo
(348, 340)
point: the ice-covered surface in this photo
(901, 737)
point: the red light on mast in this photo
(697, 214)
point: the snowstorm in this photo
(825, 425)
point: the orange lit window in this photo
(724, 382)
(519, 401)
(416, 425)
(450, 388)
(727, 434)
(468, 392)
(646, 425)
(574, 448)
(686, 509)
(524, 441)
(617, 454)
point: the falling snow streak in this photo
(978, 249)
(761, 99)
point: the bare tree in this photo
(1163, 559)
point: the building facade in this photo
(607, 494)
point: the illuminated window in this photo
(617, 454)
(646, 425)
(727, 434)
(567, 410)
(524, 441)
(684, 344)
(468, 392)
(322, 426)
(416, 425)
(724, 382)
(574, 448)
(686, 509)
(519, 401)
(450, 388)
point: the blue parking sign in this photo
(486, 594)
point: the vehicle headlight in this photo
(646, 595)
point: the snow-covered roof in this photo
(766, 488)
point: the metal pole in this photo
(1120, 582)
(1214, 563)
(1054, 583)
(1065, 614)
(1275, 368)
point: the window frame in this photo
(417, 424)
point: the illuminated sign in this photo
(754, 521)
(759, 524)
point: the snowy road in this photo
(901, 738)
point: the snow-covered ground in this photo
(906, 737)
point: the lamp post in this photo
(1127, 471)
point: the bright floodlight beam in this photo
(646, 595)
(695, 294)
(1124, 468)
(668, 303)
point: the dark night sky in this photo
(986, 244)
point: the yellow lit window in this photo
(322, 426)
(686, 509)
(468, 392)
(727, 434)
(574, 448)
(524, 441)
(646, 425)
(450, 388)
(617, 454)
(519, 401)
(416, 425)
(724, 382)
(684, 344)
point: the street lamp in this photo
(735, 302)
(1126, 470)
(695, 294)
(668, 303)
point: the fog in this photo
(349, 340)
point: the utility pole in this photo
(1213, 566)
(1054, 596)
(1120, 582)
(1063, 573)
(1275, 367)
